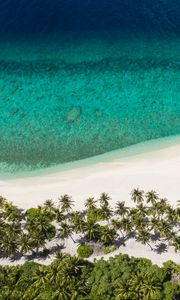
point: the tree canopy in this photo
(27, 233)
(71, 278)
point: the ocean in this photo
(81, 78)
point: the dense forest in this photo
(71, 278)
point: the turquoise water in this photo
(83, 95)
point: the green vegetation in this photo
(84, 250)
(65, 278)
(109, 249)
(151, 220)
(127, 278)
(71, 278)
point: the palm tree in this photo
(41, 225)
(116, 223)
(151, 197)
(123, 292)
(12, 229)
(164, 229)
(75, 216)
(154, 211)
(11, 212)
(175, 242)
(126, 226)
(118, 226)
(104, 199)
(105, 212)
(159, 208)
(40, 277)
(138, 217)
(154, 224)
(139, 223)
(137, 196)
(41, 210)
(121, 209)
(92, 230)
(31, 291)
(172, 216)
(90, 203)
(58, 256)
(78, 222)
(144, 237)
(59, 215)
(66, 203)
(2, 202)
(44, 227)
(150, 287)
(61, 294)
(133, 213)
(3, 227)
(178, 213)
(75, 265)
(68, 279)
(65, 231)
(68, 269)
(37, 240)
(49, 205)
(107, 235)
(163, 204)
(142, 209)
(24, 242)
(9, 244)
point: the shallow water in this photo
(74, 94)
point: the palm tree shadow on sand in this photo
(155, 237)
(43, 255)
(160, 248)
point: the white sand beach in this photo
(152, 165)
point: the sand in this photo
(152, 165)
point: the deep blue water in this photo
(37, 16)
(80, 78)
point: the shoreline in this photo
(155, 169)
(151, 165)
(132, 151)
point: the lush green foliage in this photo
(84, 250)
(65, 278)
(109, 249)
(150, 219)
(71, 278)
(131, 278)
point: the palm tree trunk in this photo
(122, 234)
(72, 239)
(150, 246)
